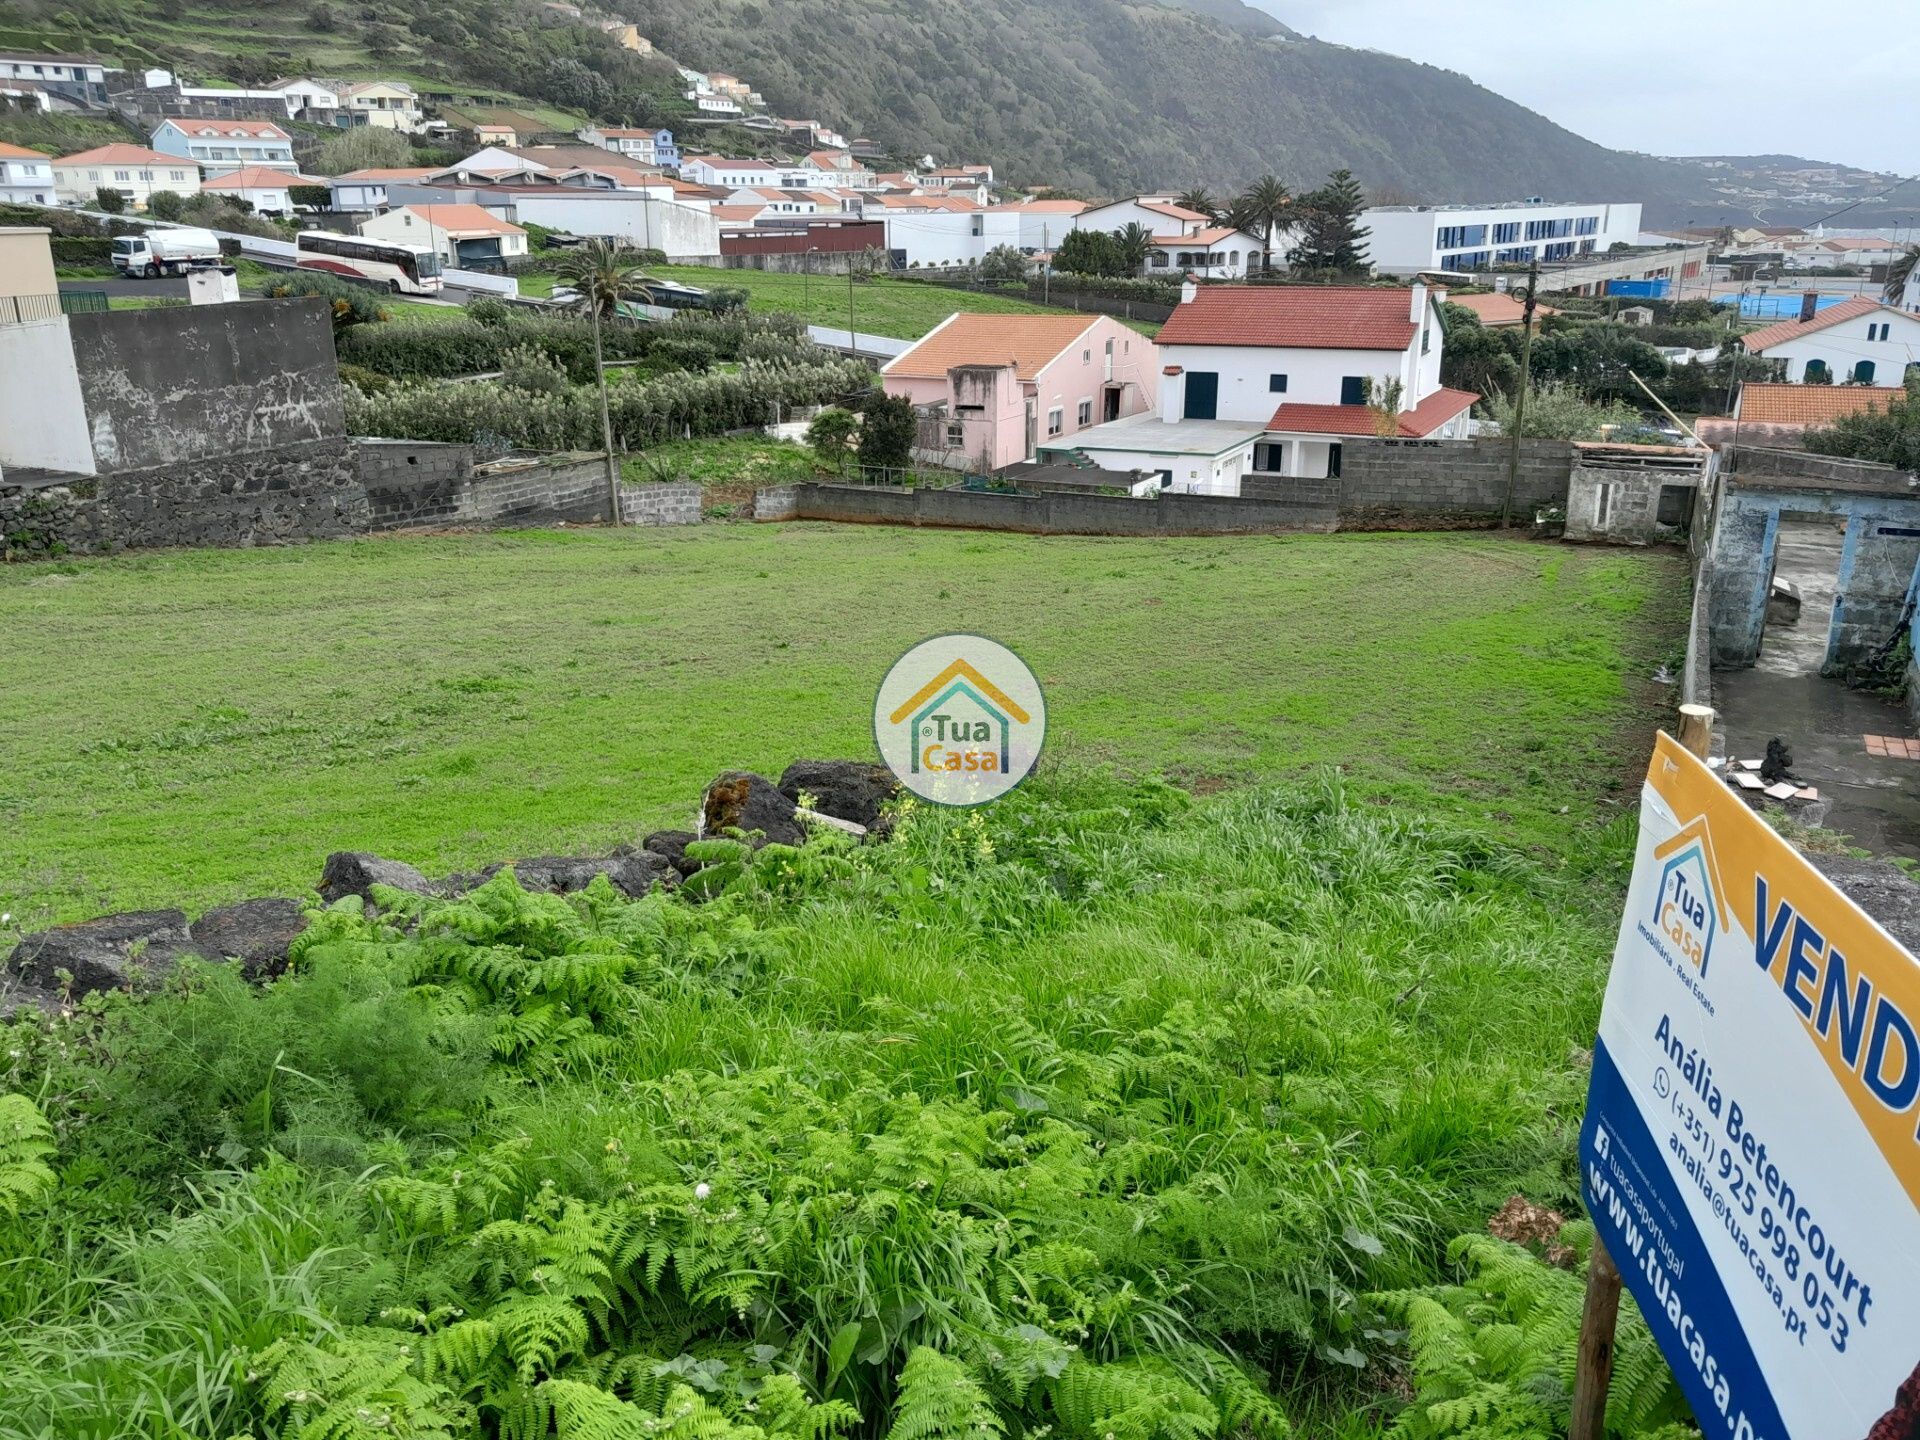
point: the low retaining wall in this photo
(321, 490)
(1055, 514)
(1386, 480)
(660, 504)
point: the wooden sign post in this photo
(1593, 1367)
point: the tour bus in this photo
(403, 269)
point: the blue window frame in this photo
(1506, 234)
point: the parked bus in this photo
(403, 269)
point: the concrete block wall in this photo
(660, 504)
(562, 489)
(1388, 479)
(411, 484)
(1057, 514)
(775, 502)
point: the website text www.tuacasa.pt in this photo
(1644, 1255)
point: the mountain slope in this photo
(1112, 95)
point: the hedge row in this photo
(81, 249)
(443, 349)
(492, 414)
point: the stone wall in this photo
(173, 385)
(320, 490)
(1382, 481)
(776, 502)
(1056, 514)
(653, 503)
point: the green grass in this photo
(187, 728)
(897, 308)
(746, 460)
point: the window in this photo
(1086, 357)
(1333, 462)
(1086, 412)
(1506, 234)
(1353, 390)
(1602, 504)
(1056, 420)
(1817, 373)
(1456, 237)
(176, 174)
(1276, 384)
(122, 175)
(1672, 508)
(1863, 372)
(956, 435)
(1426, 337)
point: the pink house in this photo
(992, 389)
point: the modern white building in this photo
(682, 232)
(135, 171)
(26, 176)
(1274, 378)
(1407, 239)
(1861, 342)
(1033, 227)
(218, 146)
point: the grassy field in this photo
(898, 308)
(743, 461)
(192, 727)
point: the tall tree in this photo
(1897, 274)
(1131, 246)
(1200, 200)
(1265, 209)
(1332, 239)
(603, 273)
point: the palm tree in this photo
(1898, 272)
(1132, 245)
(1200, 200)
(603, 273)
(1267, 208)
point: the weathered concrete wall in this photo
(660, 504)
(775, 502)
(1877, 574)
(411, 484)
(1622, 506)
(1056, 514)
(294, 492)
(43, 421)
(1384, 480)
(168, 386)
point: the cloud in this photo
(1668, 77)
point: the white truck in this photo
(165, 252)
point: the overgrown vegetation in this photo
(1099, 1114)
(1890, 436)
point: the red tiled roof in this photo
(1211, 236)
(1824, 319)
(1770, 404)
(1030, 343)
(1177, 212)
(1415, 424)
(416, 172)
(1294, 317)
(464, 219)
(258, 177)
(16, 152)
(226, 129)
(118, 154)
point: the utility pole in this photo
(606, 417)
(1520, 396)
(853, 339)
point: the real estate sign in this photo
(1750, 1154)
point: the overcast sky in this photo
(1662, 76)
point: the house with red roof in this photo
(470, 237)
(1863, 342)
(265, 190)
(26, 176)
(1273, 379)
(1185, 242)
(994, 390)
(135, 171)
(218, 146)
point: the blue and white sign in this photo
(1751, 1151)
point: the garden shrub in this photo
(354, 306)
(531, 371)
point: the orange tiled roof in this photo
(1029, 342)
(124, 155)
(1302, 317)
(1822, 320)
(464, 218)
(1425, 418)
(1770, 404)
(258, 177)
(16, 152)
(1496, 310)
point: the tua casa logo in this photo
(1687, 909)
(959, 720)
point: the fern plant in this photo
(26, 1140)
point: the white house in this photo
(73, 80)
(1032, 227)
(1280, 375)
(647, 147)
(1865, 342)
(367, 189)
(1157, 213)
(724, 174)
(218, 146)
(1407, 239)
(265, 190)
(465, 236)
(1217, 252)
(383, 104)
(26, 176)
(319, 101)
(135, 171)
(715, 106)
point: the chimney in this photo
(1809, 303)
(1188, 290)
(1417, 307)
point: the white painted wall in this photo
(1313, 376)
(1230, 259)
(26, 181)
(1846, 345)
(932, 237)
(1192, 474)
(76, 184)
(43, 420)
(659, 224)
(1123, 213)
